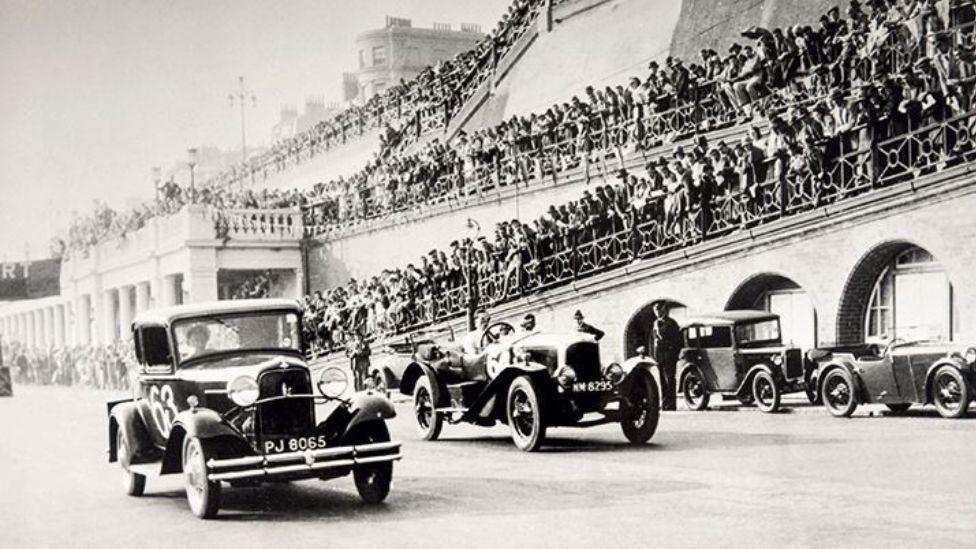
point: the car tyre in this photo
(133, 483)
(694, 391)
(381, 382)
(951, 392)
(373, 480)
(766, 392)
(641, 417)
(525, 415)
(810, 388)
(837, 393)
(429, 422)
(202, 494)
(899, 408)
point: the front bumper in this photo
(307, 463)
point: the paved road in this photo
(730, 478)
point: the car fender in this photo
(125, 415)
(486, 406)
(683, 367)
(826, 368)
(954, 362)
(638, 362)
(201, 423)
(365, 407)
(413, 372)
(746, 384)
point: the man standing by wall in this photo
(667, 344)
(359, 352)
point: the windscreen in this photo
(763, 331)
(199, 337)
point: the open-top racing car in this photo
(531, 382)
(390, 360)
(224, 395)
(898, 375)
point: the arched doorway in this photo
(898, 290)
(781, 295)
(638, 330)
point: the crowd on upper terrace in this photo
(817, 112)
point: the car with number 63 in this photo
(531, 382)
(224, 396)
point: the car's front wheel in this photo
(133, 483)
(643, 410)
(694, 391)
(429, 422)
(202, 494)
(950, 392)
(810, 387)
(765, 391)
(373, 480)
(837, 393)
(525, 415)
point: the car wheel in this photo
(202, 494)
(134, 483)
(380, 383)
(837, 393)
(899, 408)
(429, 422)
(765, 391)
(810, 388)
(525, 415)
(694, 391)
(950, 392)
(644, 410)
(373, 480)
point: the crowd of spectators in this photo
(98, 367)
(257, 286)
(813, 102)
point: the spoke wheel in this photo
(373, 480)
(525, 415)
(202, 494)
(133, 483)
(837, 393)
(950, 392)
(429, 422)
(643, 410)
(379, 383)
(766, 392)
(694, 391)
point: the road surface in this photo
(721, 478)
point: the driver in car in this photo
(197, 337)
(471, 344)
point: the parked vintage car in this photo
(224, 395)
(531, 382)
(740, 354)
(390, 359)
(898, 375)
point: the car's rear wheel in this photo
(373, 480)
(525, 415)
(133, 483)
(643, 411)
(694, 391)
(429, 422)
(202, 494)
(765, 391)
(950, 392)
(899, 408)
(380, 382)
(837, 393)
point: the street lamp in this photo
(241, 95)
(474, 229)
(191, 161)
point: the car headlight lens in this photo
(778, 360)
(970, 356)
(565, 376)
(333, 381)
(243, 390)
(613, 372)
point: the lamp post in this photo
(191, 161)
(474, 229)
(240, 96)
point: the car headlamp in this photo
(565, 376)
(613, 372)
(333, 381)
(970, 356)
(243, 390)
(778, 360)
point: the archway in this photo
(897, 290)
(781, 295)
(637, 333)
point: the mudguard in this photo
(959, 364)
(413, 373)
(635, 368)
(201, 423)
(859, 391)
(746, 384)
(682, 368)
(368, 407)
(486, 407)
(124, 414)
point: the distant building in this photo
(399, 52)
(292, 123)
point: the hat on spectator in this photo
(578, 314)
(735, 47)
(652, 65)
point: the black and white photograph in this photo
(487, 273)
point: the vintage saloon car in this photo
(530, 382)
(740, 354)
(898, 375)
(224, 395)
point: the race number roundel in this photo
(163, 408)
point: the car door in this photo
(877, 376)
(158, 385)
(716, 348)
(920, 360)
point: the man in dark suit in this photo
(586, 328)
(667, 345)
